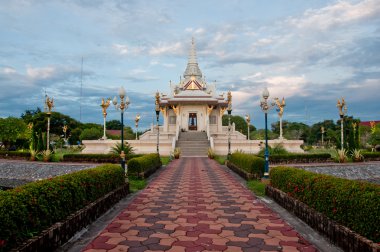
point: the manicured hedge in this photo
(299, 158)
(27, 210)
(249, 163)
(143, 165)
(95, 158)
(353, 204)
(15, 154)
(368, 156)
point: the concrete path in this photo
(194, 205)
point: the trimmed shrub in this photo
(144, 165)
(353, 204)
(96, 158)
(15, 154)
(371, 156)
(299, 158)
(249, 163)
(27, 210)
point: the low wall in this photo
(61, 232)
(338, 234)
(139, 146)
(254, 146)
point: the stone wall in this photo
(61, 232)
(338, 234)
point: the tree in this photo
(260, 135)
(12, 129)
(374, 139)
(240, 124)
(91, 134)
(113, 125)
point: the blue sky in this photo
(310, 52)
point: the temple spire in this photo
(192, 68)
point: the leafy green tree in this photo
(113, 125)
(12, 129)
(240, 124)
(90, 134)
(74, 137)
(292, 130)
(374, 139)
(260, 135)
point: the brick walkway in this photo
(194, 205)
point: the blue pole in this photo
(266, 155)
(122, 142)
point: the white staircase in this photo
(193, 144)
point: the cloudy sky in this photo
(310, 52)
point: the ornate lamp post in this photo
(105, 105)
(137, 119)
(157, 108)
(248, 120)
(124, 103)
(280, 110)
(265, 107)
(342, 111)
(229, 110)
(49, 104)
(64, 129)
(323, 132)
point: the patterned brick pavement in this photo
(194, 205)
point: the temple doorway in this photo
(192, 121)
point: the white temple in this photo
(192, 114)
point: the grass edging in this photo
(61, 232)
(338, 234)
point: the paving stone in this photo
(194, 205)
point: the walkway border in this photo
(61, 232)
(338, 234)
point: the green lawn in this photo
(136, 184)
(165, 160)
(220, 159)
(257, 187)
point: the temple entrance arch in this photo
(192, 121)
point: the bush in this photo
(299, 158)
(15, 154)
(127, 148)
(351, 203)
(27, 210)
(278, 149)
(368, 156)
(144, 164)
(96, 158)
(91, 134)
(249, 163)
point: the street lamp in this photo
(124, 102)
(265, 106)
(105, 105)
(157, 108)
(248, 120)
(323, 132)
(64, 129)
(229, 110)
(342, 111)
(137, 119)
(49, 104)
(280, 110)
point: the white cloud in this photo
(8, 70)
(40, 73)
(125, 49)
(340, 13)
(286, 86)
(167, 48)
(253, 76)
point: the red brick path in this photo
(194, 205)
